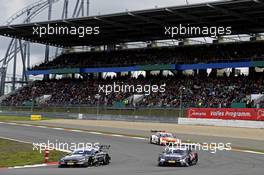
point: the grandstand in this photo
(205, 86)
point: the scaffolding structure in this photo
(18, 47)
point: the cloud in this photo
(10, 7)
(106, 6)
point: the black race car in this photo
(86, 157)
(182, 156)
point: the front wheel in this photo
(150, 140)
(188, 162)
(160, 164)
(195, 161)
(159, 142)
(86, 165)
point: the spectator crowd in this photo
(159, 55)
(188, 91)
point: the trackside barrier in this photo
(227, 113)
(220, 122)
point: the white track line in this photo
(28, 166)
(117, 135)
(41, 126)
(76, 130)
(99, 133)
(16, 140)
(248, 151)
(59, 129)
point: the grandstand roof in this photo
(244, 16)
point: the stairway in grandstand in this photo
(136, 98)
(259, 99)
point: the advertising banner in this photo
(227, 113)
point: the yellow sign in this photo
(35, 117)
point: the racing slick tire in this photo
(86, 165)
(106, 160)
(160, 164)
(159, 142)
(90, 162)
(150, 140)
(195, 161)
(188, 162)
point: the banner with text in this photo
(227, 113)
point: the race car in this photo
(86, 157)
(162, 138)
(183, 156)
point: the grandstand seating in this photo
(164, 55)
(199, 91)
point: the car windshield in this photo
(166, 135)
(82, 152)
(176, 151)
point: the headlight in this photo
(162, 160)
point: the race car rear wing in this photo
(157, 131)
(181, 145)
(104, 147)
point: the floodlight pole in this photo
(29, 12)
(14, 67)
(97, 96)
(47, 47)
(27, 48)
(88, 8)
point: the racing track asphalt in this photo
(131, 156)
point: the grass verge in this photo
(18, 154)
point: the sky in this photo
(10, 7)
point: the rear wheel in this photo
(188, 162)
(106, 160)
(90, 162)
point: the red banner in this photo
(227, 113)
